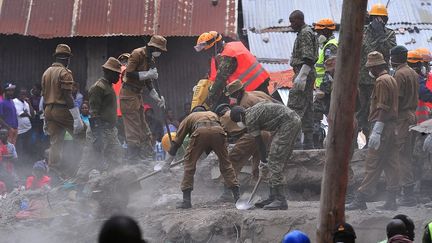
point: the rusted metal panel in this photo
(13, 16)
(134, 18)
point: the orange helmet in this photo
(414, 57)
(378, 10)
(425, 53)
(325, 24)
(207, 39)
(166, 144)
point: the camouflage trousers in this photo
(281, 149)
(110, 156)
(301, 102)
(365, 92)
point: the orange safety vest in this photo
(424, 108)
(117, 86)
(251, 73)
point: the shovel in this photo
(156, 172)
(248, 204)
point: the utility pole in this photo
(341, 119)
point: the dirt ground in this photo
(67, 218)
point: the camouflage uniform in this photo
(321, 107)
(103, 105)
(305, 51)
(284, 124)
(371, 42)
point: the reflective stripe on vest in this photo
(430, 230)
(422, 112)
(319, 66)
(249, 70)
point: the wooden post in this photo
(341, 119)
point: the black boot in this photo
(227, 196)
(408, 199)
(262, 203)
(186, 203)
(390, 203)
(132, 153)
(359, 202)
(235, 193)
(308, 141)
(279, 202)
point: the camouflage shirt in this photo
(305, 50)
(103, 102)
(225, 67)
(375, 42)
(268, 116)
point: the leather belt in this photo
(131, 88)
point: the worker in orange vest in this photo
(231, 61)
(123, 58)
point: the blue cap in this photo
(7, 86)
(296, 236)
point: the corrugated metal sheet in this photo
(69, 18)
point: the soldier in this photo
(303, 58)
(206, 134)
(382, 154)
(284, 124)
(140, 72)
(102, 142)
(408, 83)
(376, 37)
(59, 110)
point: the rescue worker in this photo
(140, 73)
(102, 141)
(425, 91)
(285, 125)
(206, 134)
(328, 46)
(230, 61)
(382, 154)
(376, 37)
(427, 235)
(407, 80)
(123, 59)
(59, 110)
(303, 59)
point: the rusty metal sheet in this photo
(13, 16)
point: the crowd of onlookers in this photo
(24, 144)
(400, 229)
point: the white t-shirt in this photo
(24, 124)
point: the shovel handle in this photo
(156, 172)
(255, 189)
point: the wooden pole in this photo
(341, 119)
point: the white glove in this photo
(375, 137)
(427, 145)
(263, 170)
(45, 128)
(78, 124)
(300, 80)
(150, 74)
(168, 161)
(160, 101)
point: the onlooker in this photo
(120, 229)
(154, 124)
(344, 233)
(78, 97)
(8, 156)
(400, 239)
(186, 111)
(85, 113)
(427, 235)
(8, 117)
(38, 139)
(409, 224)
(24, 113)
(396, 228)
(170, 118)
(296, 236)
(39, 179)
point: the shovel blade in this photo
(245, 202)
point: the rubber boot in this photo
(186, 203)
(308, 142)
(408, 199)
(262, 203)
(132, 153)
(359, 202)
(279, 202)
(390, 203)
(227, 196)
(235, 193)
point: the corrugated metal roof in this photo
(70, 18)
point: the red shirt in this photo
(45, 180)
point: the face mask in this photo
(241, 125)
(371, 75)
(156, 53)
(423, 70)
(322, 39)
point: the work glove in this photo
(150, 74)
(300, 80)
(377, 26)
(78, 124)
(45, 127)
(263, 170)
(160, 101)
(427, 145)
(375, 137)
(167, 164)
